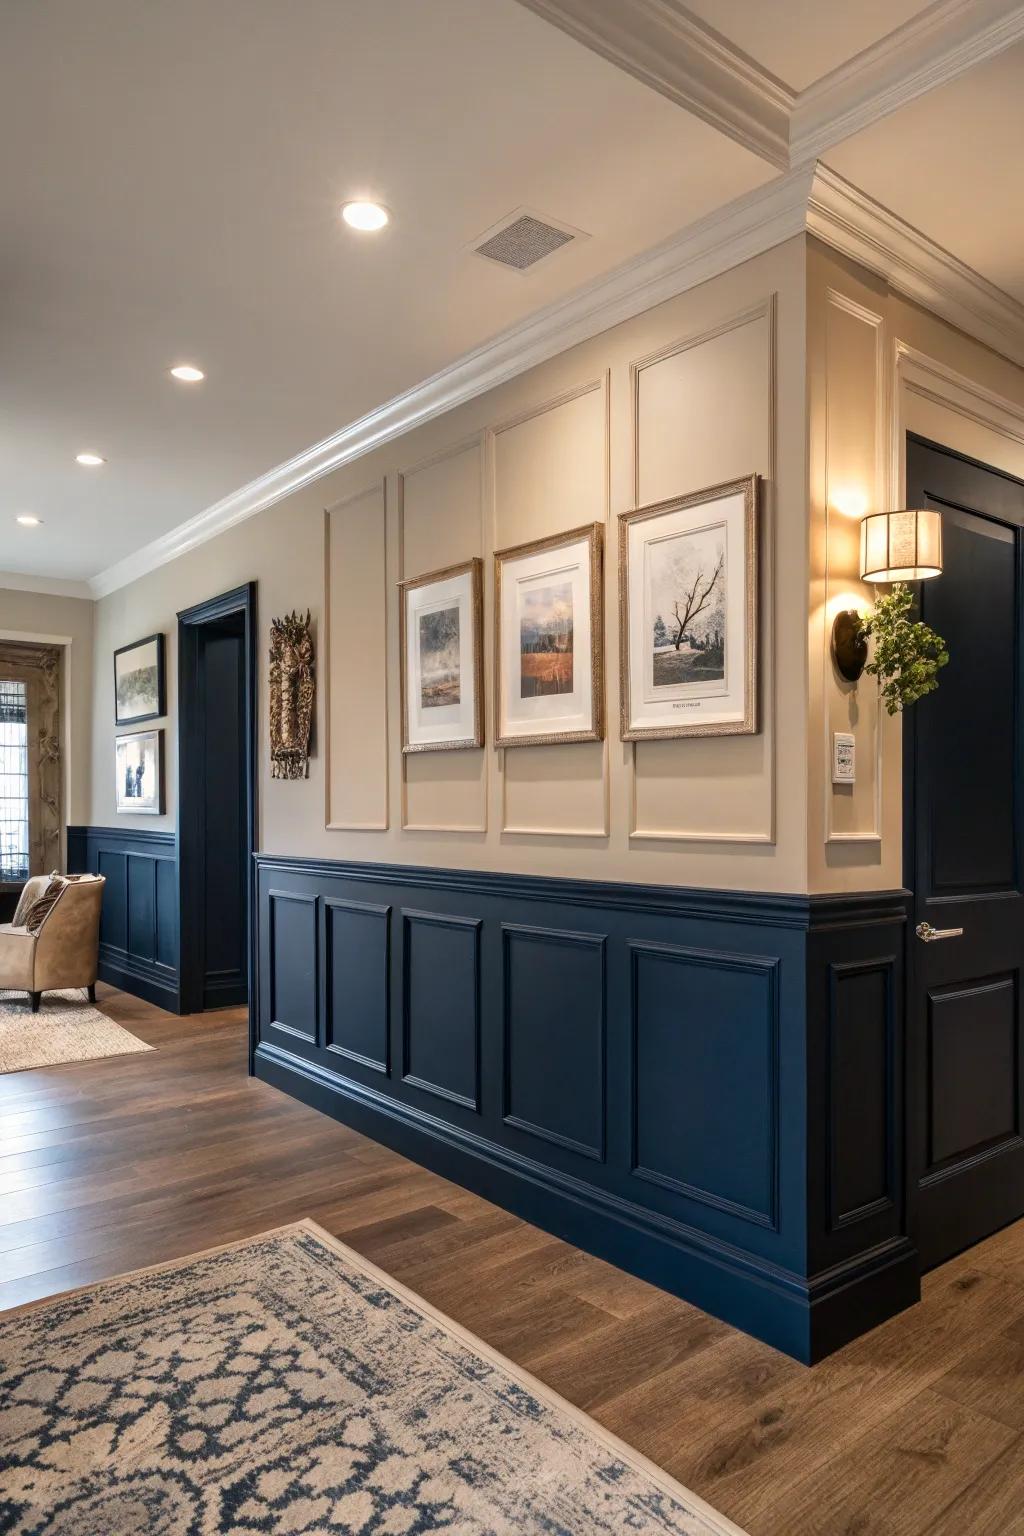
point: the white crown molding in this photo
(814, 200)
(931, 49)
(661, 44)
(732, 234)
(46, 586)
(853, 223)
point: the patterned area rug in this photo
(284, 1384)
(66, 1028)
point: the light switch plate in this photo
(844, 758)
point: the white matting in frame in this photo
(688, 614)
(441, 617)
(548, 651)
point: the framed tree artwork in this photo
(688, 614)
(548, 639)
(441, 648)
(139, 688)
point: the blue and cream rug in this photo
(286, 1385)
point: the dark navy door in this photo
(963, 803)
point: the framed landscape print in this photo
(139, 773)
(139, 681)
(548, 640)
(441, 626)
(688, 614)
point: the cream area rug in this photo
(66, 1028)
(286, 1385)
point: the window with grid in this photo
(13, 781)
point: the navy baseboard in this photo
(139, 923)
(703, 1087)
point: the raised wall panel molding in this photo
(767, 310)
(875, 322)
(663, 45)
(853, 223)
(554, 1051)
(931, 49)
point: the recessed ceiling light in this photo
(90, 459)
(28, 521)
(188, 374)
(365, 216)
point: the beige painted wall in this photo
(67, 621)
(704, 388)
(878, 367)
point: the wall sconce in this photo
(894, 546)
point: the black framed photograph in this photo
(139, 689)
(139, 773)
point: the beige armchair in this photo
(64, 951)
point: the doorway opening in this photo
(216, 798)
(963, 817)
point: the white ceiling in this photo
(171, 177)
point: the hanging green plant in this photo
(907, 653)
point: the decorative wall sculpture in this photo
(292, 692)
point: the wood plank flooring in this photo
(917, 1428)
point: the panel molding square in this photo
(441, 1005)
(293, 963)
(705, 1069)
(554, 1025)
(861, 1090)
(973, 1104)
(357, 962)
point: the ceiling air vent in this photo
(524, 239)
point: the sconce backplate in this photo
(849, 647)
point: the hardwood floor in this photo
(918, 1427)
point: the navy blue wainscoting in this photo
(139, 923)
(703, 1087)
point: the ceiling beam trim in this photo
(661, 44)
(930, 50)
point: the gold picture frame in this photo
(738, 716)
(446, 576)
(589, 570)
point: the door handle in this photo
(928, 934)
